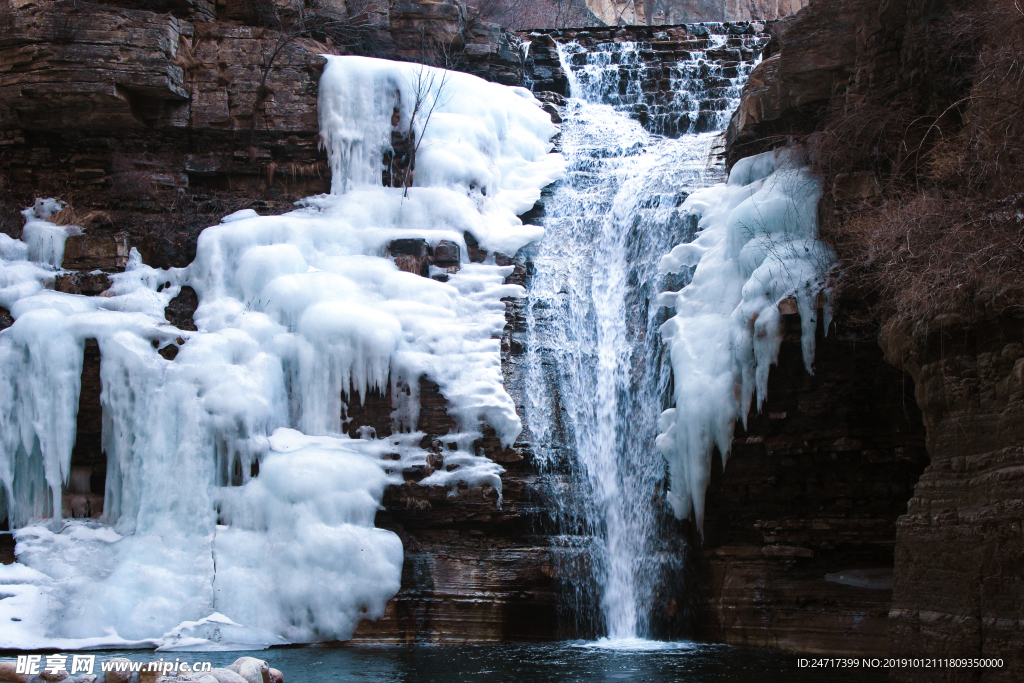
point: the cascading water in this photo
(598, 377)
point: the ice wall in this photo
(757, 245)
(294, 310)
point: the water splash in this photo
(597, 375)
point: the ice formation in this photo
(757, 245)
(294, 311)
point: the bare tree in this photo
(524, 14)
(429, 90)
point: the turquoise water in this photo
(528, 663)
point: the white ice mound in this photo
(44, 241)
(487, 144)
(237, 512)
(757, 245)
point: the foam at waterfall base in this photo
(293, 311)
(636, 645)
(756, 246)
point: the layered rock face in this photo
(958, 566)
(801, 523)
(658, 12)
(959, 583)
(126, 112)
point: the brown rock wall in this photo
(813, 487)
(959, 587)
(958, 563)
(129, 112)
(475, 570)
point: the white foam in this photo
(636, 645)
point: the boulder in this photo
(118, 676)
(276, 676)
(87, 252)
(225, 676)
(251, 669)
(8, 673)
(446, 253)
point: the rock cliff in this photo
(203, 108)
(660, 12)
(907, 71)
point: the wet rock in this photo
(53, 676)
(251, 669)
(6, 320)
(181, 308)
(8, 672)
(89, 252)
(118, 676)
(276, 676)
(89, 284)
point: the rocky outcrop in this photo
(124, 112)
(660, 12)
(801, 524)
(957, 576)
(959, 582)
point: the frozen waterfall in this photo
(294, 310)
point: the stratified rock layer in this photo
(813, 488)
(959, 570)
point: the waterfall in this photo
(598, 376)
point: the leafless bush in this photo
(946, 232)
(524, 14)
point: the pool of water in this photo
(562, 662)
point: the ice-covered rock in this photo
(195, 551)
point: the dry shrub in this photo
(863, 135)
(65, 24)
(83, 219)
(944, 240)
(928, 260)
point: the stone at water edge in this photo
(118, 676)
(53, 677)
(276, 676)
(8, 673)
(252, 670)
(225, 676)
